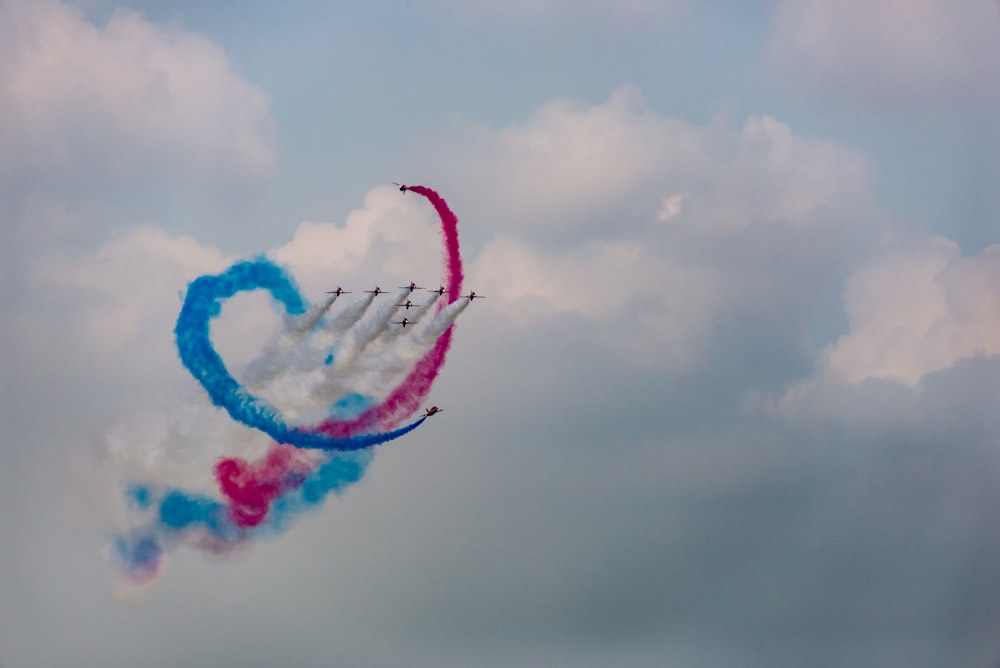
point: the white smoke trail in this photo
(177, 447)
(379, 372)
(356, 340)
(299, 372)
(292, 361)
(350, 316)
(280, 354)
(297, 327)
(414, 317)
(302, 375)
(358, 372)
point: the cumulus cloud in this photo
(128, 284)
(604, 165)
(77, 94)
(901, 47)
(918, 308)
(651, 229)
(101, 321)
(106, 125)
(102, 126)
(920, 357)
(654, 309)
(390, 238)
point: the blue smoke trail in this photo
(181, 516)
(176, 516)
(264, 497)
(202, 303)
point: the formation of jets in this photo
(472, 296)
(433, 410)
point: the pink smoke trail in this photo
(251, 487)
(408, 396)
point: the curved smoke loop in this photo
(366, 374)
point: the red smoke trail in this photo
(452, 253)
(407, 397)
(250, 488)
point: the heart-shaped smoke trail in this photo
(315, 360)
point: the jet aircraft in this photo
(339, 291)
(412, 286)
(433, 410)
(404, 322)
(402, 188)
(377, 291)
(472, 296)
(408, 304)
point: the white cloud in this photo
(653, 308)
(776, 176)
(604, 165)
(891, 46)
(918, 309)
(120, 300)
(391, 238)
(651, 228)
(121, 96)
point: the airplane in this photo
(473, 296)
(412, 286)
(433, 410)
(402, 188)
(408, 304)
(440, 291)
(404, 322)
(339, 291)
(377, 291)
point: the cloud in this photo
(918, 308)
(602, 166)
(654, 231)
(909, 48)
(638, 301)
(609, 511)
(919, 360)
(763, 229)
(391, 239)
(123, 289)
(106, 125)
(98, 325)
(76, 94)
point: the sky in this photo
(732, 399)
